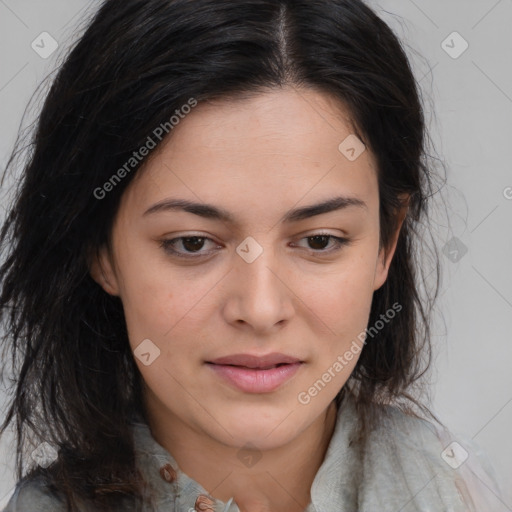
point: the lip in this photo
(251, 361)
(252, 374)
(253, 380)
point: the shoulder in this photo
(395, 424)
(429, 463)
(428, 439)
(35, 493)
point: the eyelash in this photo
(339, 244)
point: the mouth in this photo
(254, 367)
(264, 362)
(255, 375)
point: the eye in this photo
(317, 243)
(191, 245)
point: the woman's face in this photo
(253, 283)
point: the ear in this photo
(102, 271)
(386, 253)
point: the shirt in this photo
(408, 465)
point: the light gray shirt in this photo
(409, 465)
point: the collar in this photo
(168, 486)
(400, 467)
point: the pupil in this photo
(191, 245)
(315, 238)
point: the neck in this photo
(280, 479)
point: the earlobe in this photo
(102, 271)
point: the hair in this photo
(136, 63)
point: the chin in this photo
(272, 431)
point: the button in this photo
(168, 473)
(204, 504)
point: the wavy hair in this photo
(76, 384)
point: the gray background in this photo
(468, 102)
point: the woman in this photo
(211, 290)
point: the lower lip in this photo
(253, 380)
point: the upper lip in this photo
(251, 361)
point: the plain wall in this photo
(472, 100)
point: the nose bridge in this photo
(259, 292)
(254, 267)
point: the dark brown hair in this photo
(76, 382)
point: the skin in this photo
(256, 158)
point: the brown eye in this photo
(318, 244)
(193, 243)
(186, 246)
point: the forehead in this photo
(281, 146)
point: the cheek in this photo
(164, 304)
(147, 292)
(342, 298)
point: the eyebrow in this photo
(209, 211)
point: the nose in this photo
(259, 296)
